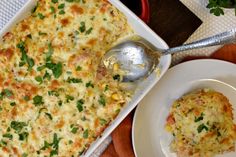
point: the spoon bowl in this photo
(136, 59)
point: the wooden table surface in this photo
(170, 19)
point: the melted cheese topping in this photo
(55, 100)
(202, 124)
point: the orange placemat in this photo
(121, 145)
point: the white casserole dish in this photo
(143, 87)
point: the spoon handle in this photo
(219, 39)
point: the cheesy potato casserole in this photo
(202, 124)
(55, 99)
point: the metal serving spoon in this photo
(136, 59)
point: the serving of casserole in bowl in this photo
(55, 99)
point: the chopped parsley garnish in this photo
(23, 136)
(49, 116)
(102, 121)
(89, 31)
(57, 70)
(69, 98)
(39, 79)
(86, 133)
(29, 36)
(41, 16)
(18, 126)
(24, 57)
(89, 84)
(74, 80)
(38, 100)
(79, 105)
(102, 100)
(52, 9)
(61, 6)
(42, 33)
(199, 118)
(54, 145)
(59, 103)
(61, 12)
(7, 93)
(7, 135)
(49, 53)
(116, 77)
(40, 68)
(82, 27)
(35, 8)
(54, 1)
(78, 68)
(13, 104)
(69, 1)
(74, 130)
(47, 76)
(53, 93)
(24, 155)
(106, 88)
(26, 98)
(201, 128)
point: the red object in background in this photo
(145, 15)
(140, 7)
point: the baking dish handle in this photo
(145, 15)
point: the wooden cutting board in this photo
(170, 19)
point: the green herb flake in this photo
(7, 93)
(26, 98)
(57, 70)
(24, 155)
(61, 6)
(59, 103)
(17, 125)
(35, 8)
(79, 105)
(39, 79)
(78, 68)
(89, 84)
(82, 27)
(61, 12)
(24, 57)
(13, 104)
(38, 100)
(49, 116)
(53, 93)
(54, 1)
(102, 101)
(52, 9)
(7, 135)
(69, 98)
(106, 88)
(116, 77)
(199, 118)
(40, 68)
(74, 80)
(23, 136)
(102, 121)
(86, 134)
(70, 1)
(47, 76)
(89, 31)
(74, 130)
(41, 16)
(201, 128)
